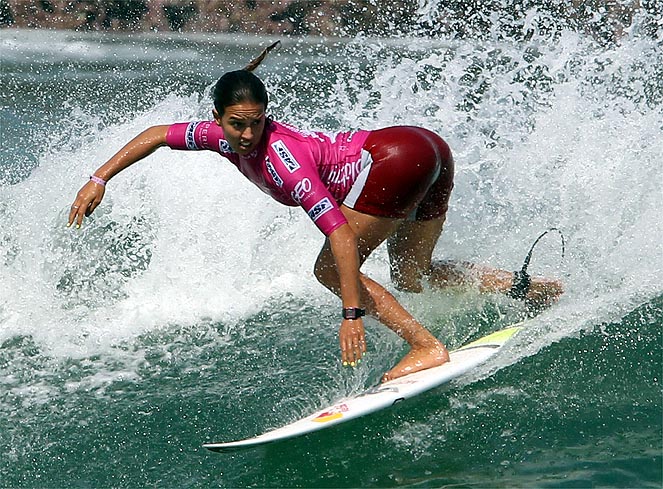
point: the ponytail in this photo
(255, 62)
(242, 85)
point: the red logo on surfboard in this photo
(332, 414)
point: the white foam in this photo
(209, 245)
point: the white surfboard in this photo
(383, 395)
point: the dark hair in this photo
(242, 85)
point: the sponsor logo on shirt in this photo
(322, 207)
(204, 133)
(346, 172)
(272, 171)
(224, 147)
(190, 135)
(286, 156)
(301, 189)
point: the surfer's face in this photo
(243, 125)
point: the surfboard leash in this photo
(521, 279)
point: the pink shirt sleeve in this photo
(197, 135)
(324, 211)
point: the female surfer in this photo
(360, 188)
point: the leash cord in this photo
(522, 279)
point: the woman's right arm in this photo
(91, 194)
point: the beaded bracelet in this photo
(98, 180)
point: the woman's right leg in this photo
(426, 350)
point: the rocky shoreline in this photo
(606, 20)
(285, 17)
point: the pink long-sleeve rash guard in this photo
(297, 168)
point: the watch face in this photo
(352, 313)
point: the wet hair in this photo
(242, 85)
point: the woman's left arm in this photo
(351, 335)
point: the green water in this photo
(583, 412)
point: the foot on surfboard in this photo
(419, 358)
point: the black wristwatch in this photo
(353, 312)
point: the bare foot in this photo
(419, 358)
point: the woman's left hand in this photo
(353, 341)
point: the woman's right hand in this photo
(353, 341)
(89, 197)
(87, 200)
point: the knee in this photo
(411, 287)
(407, 280)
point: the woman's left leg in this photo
(426, 350)
(410, 257)
(410, 253)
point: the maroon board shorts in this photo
(410, 176)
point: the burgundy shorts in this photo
(410, 176)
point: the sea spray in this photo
(185, 310)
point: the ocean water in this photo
(185, 310)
